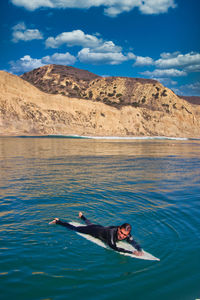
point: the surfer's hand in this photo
(80, 214)
(54, 221)
(138, 253)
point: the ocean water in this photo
(152, 184)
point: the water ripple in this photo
(153, 188)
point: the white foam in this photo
(136, 138)
(127, 138)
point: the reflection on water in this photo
(154, 185)
(48, 148)
(144, 160)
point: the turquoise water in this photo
(154, 185)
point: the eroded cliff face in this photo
(112, 106)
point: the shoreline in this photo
(75, 136)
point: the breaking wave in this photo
(124, 137)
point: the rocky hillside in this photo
(111, 106)
(113, 91)
(58, 79)
(73, 82)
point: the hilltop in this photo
(66, 100)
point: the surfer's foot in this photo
(80, 214)
(54, 221)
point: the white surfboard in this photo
(121, 244)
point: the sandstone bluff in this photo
(68, 101)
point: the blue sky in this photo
(157, 39)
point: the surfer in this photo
(109, 235)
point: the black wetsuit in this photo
(106, 234)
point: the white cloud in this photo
(167, 55)
(170, 65)
(114, 11)
(164, 73)
(195, 87)
(81, 39)
(178, 60)
(150, 7)
(87, 55)
(59, 58)
(27, 63)
(166, 81)
(131, 55)
(143, 61)
(21, 33)
(73, 38)
(187, 63)
(192, 89)
(33, 4)
(192, 68)
(19, 26)
(107, 47)
(112, 7)
(94, 50)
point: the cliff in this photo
(72, 101)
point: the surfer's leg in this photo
(86, 220)
(89, 229)
(65, 224)
(82, 217)
(82, 229)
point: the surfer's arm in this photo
(131, 241)
(114, 247)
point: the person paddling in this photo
(109, 235)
